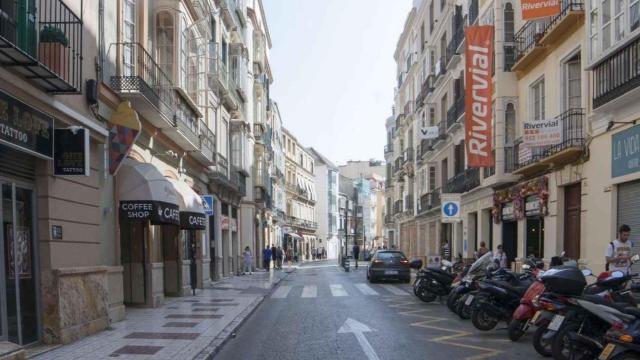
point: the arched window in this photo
(165, 40)
(508, 23)
(509, 124)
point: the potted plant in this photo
(53, 51)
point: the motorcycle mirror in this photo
(446, 263)
(617, 274)
(586, 272)
(443, 268)
(635, 258)
(526, 267)
(562, 254)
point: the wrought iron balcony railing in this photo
(397, 207)
(456, 111)
(454, 43)
(41, 40)
(388, 148)
(207, 142)
(186, 120)
(617, 74)
(465, 181)
(407, 155)
(429, 200)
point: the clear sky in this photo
(334, 73)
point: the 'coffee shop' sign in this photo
(25, 128)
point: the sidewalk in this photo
(191, 327)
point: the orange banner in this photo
(478, 116)
(534, 9)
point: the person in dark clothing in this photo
(274, 256)
(266, 258)
(356, 253)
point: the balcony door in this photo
(572, 83)
(129, 37)
(26, 26)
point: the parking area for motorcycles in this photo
(461, 339)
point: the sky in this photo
(334, 72)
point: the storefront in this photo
(509, 232)
(534, 227)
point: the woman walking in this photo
(247, 259)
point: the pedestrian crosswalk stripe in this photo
(394, 290)
(310, 291)
(281, 292)
(337, 290)
(366, 289)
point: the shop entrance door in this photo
(134, 262)
(19, 318)
(510, 240)
(572, 205)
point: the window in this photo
(129, 35)
(593, 30)
(509, 124)
(432, 115)
(572, 83)
(431, 17)
(442, 5)
(634, 15)
(214, 36)
(422, 37)
(612, 22)
(423, 181)
(508, 23)
(183, 54)
(224, 50)
(223, 139)
(443, 108)
(432, 61)
(432, 178)
(537, 100)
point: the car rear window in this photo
(389, 255)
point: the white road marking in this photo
(394, 290)
(281, 292)
(358, 329)
(338, 290)
(310, 291)
(366, 289)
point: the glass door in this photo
(18, 297)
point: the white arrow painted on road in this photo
(358, 329)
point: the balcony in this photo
(441, 69)
(617, 75)
(408, 205)
(261, 175)
(228, 180)
(397, 207)
(42, 44)
(207, 150)
(140, 80)
(465, 181)
(455, 112)
(399, 119)
(259, 57)
(567, 151)
(426, 89)
(388, 149)
(231, 12)
(397, 168)
(536, 35)
(219, 80)
(453, 55)
(407, 155)
(509, 57)
(185, 134)
(300, 223)
(238, 180)
(408, 108)
(442, 133)
(388, 219)
(429, 201)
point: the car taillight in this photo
(377, 261)
(404, 261)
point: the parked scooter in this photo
(467, 284)
(433, 282)
(622, 344)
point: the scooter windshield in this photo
(481, 264)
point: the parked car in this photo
(389, 265)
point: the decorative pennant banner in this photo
(535, 9)
(429, 132)
(478, 112)
(125, 127)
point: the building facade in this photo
(326, 208)
(300, 187)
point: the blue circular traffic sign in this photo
(450, 208)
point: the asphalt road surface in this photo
(322, 312)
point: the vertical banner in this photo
(479, 87)
(124, 129)
(535, 9)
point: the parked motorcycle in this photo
(433, 282)
(466, 284)
(622, 344)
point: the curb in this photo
(210, 351)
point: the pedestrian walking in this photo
(289, 253)
(247, 259)
(619, 251)
(356, 253)
(274, 255)
(324, 253)
(447, 250)
(279, 256)
(500, 257)
(266, 258)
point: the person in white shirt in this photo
(619, 251)
(500, 257)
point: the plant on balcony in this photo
(53, 51)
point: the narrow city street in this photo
(321, 312)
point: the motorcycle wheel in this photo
(482, 320)
(563, 349)
(452, 300)
(464, 311)
(426, 296)
(542, 346)
(515, 329)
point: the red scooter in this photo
(527, 309)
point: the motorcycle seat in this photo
(623, 307)
(632, 311)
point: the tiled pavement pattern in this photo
(184, 328)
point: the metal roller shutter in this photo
(629, 213)
(17, 164)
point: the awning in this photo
(192, 211)
(145, 194)
(294, 235)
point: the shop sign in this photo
(207, 201)
(479, 89)
(71, 151)
(535, 9)
(507, 212)
(541, 132)
(450, 208)
(25, 128)
(532, 206)
(524, 154)
(157, 212)
(193, 220)
(625, 152)
(428, 132)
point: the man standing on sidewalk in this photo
(274, 255)
(356, 253)
(266, 258)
